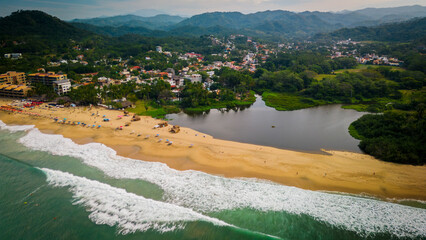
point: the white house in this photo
(62, 86)
(196, 78)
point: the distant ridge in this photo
(392, 32)
(273, 25)
(37, 23)
(160, 21)
(277, 23)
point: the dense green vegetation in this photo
(300, 76)
(288, 101)
(393, 137)
(392, 32)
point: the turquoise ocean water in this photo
(52, 188)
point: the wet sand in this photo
(337, 171)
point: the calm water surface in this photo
(311, 129)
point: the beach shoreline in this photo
(337, 171)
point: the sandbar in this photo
(338, 171)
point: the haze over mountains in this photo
(267, 23)
(159, 21)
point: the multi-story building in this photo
(14, 91)
(46, 78)
(196, 78)
(12, 77)
(62, 86)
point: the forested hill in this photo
(157, 22)
(292, 24)
(22, 24)
(275, 24)
(393, 32)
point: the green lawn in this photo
(361, 67)
(320, 77)
(289, 101)
(155, 112)
(358, 107)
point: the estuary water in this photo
(311, 129)
(52, 188)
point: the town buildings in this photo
(12, 77)
(14, 91)
(62, 86)
(45, 78)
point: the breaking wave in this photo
(208, 193)
(129, 212)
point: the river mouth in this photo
(307, 130)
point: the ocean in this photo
(52, 188)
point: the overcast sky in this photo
(66, 9)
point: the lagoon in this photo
(311, 129)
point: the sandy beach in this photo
(337, 171)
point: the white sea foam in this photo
(129, 212)
(208, 193)
(15, 128)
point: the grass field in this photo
(320, 77)
(155, 112)
(289, 101)
(361, 67)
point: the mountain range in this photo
(266, 24)
(160, 21)
(414, 29)
(29, 24)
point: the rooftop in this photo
(62, 81)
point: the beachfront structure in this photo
(46, 78)
(14, 91)
(62, 86)
(13, 77)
